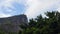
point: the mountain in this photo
(11, 24)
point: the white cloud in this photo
(58, 9)
(6, 6)
(4, 15)
(36, 7)
(4, 3)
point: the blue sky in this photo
(31, 8)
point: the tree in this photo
(40, 25)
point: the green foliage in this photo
(2, 31)
(40, 25)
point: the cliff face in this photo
(11, 24)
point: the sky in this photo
(31, 8)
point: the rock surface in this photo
(11, 24)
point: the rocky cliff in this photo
(11, 24)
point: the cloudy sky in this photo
(31, 8)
